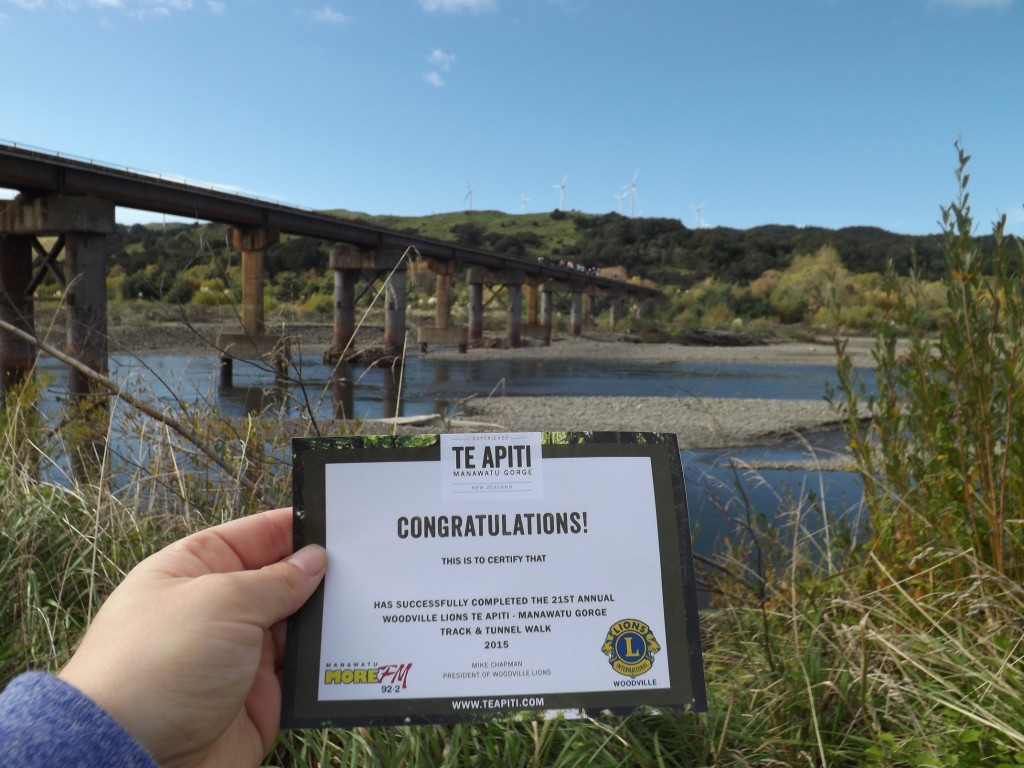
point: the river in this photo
(719, 496)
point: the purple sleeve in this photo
(47, 722)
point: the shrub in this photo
(942, 456)
(318, 304)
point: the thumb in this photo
(280, 589)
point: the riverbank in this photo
(700, 423)
(164, 333)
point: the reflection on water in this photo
(425, 384)
(721, 485)
(818, 512)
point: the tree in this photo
(813, 282)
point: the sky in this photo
(827, 113)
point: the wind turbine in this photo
(700, 218)
(525, 203)
(469, 195)
(561, 192)
(631, 191)
(620, 198)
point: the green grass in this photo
(808, 662)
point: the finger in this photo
(276, 591)
(244, 544)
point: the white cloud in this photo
(971, 5)
(216, 6)
(434, 79)
(454, 6)
(141, 8)
(328, 15)
(441, 59)
(135, 8)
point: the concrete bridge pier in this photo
(515, 313)
(513, 281)
(533, 328)
(17, 308)
(474, 281)
(443, 332)
(348, 265)
(85, 267)
(576, 312)
(83, 223)
(546, 309)
(394, 311)
(614, 310)
(253, 342)
(345, 278)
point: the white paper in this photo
(504, 599)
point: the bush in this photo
(943, 454)
(318, 304)
(211, 297)
(181, 292)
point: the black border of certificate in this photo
(301, 707)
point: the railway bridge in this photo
(71, 202)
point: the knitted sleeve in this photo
(47, 722)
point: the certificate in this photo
(490, 576)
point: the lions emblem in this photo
(630, 647)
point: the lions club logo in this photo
(630, 647)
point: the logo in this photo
(387, 674)
(630, 647)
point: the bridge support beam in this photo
(84, 222)
(515, 314)
(546, 309)
(394, 312)
(442, 294)
(576, 312)
(252, 243)
(534, 329)
(614, 310)
(85, 265)
(345, 279)
(348, 265)
(253, 343)
(476, 310)
(513, 281)
(443, 332)
(17, 356)
(531, 302)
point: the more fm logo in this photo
(396, 675)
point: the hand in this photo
(186, 653)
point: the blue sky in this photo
(809, 112)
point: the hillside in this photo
(151, 260)
(666, 250)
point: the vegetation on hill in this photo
(761, 278)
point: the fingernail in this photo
(311, 559)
